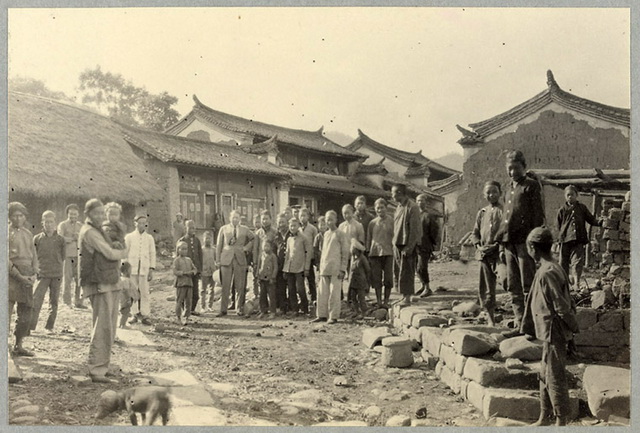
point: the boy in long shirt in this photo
(266, 275)
(484, 237)
(50, 248)
(380, 247)
(297, 261)
(428, 242)
(23, 268)
(332, 270)
(208, 268)
(523, 211)
(550, 316)
(69, 229)
(571, 220)
(310, 231)
(281, 248)
(194, 252)
(354, 230)
(141, 254)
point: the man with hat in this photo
(99, 278)
(23, 268)
(407, 232)
(141, 255)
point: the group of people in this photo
(516, 235)
(298, 266)
(110, 268)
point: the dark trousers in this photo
(311, 281)
(382, 274)
(404, 271)
(423, 267)
(520, 271)
(195, 296)
(572, 259)
(295, 282)
(554, 390)
(70, 274)
(282, 302)
(44, 285)
(487, 285)
(358, 303)
(184, 297)
(267, 296)
(23, 319)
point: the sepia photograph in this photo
(319, 216)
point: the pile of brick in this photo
(616, 258)
(604, 334)
(498, 376)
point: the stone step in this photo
(135, 338)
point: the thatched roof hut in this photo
(60, 151)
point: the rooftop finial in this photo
(551, 82)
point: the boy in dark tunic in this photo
(550, 317)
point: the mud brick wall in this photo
(612, 248)
(554, 140)
(604, 335)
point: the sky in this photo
(404, 76)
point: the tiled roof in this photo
(170, 148)
(447, 185)
(270, 145)
(553, 93)
(310, 140)
(417, 170)
(377, 168)
(401, 156)
(329, 182)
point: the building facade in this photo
(555, 130)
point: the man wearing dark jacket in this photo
(428, 242)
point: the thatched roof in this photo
(61, 149)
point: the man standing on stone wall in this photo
(428, 242)
(99, 278)
(407, 232)
(69, 230)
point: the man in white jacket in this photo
(141, 255)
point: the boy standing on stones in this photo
(523, 212)
(380, 247)
(23, 268)
(572, 219)
(550, 316)
(428, 242)
(487, 246)
(332, 269)
(50, 248)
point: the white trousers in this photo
(142, 307)
(329, 297)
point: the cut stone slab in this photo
(373, 336)
(195, 395)
(432, 320)
(472, 343)
(415, 336)
(608, 391)
(602, 339)
(407, 313)
(510, 404)
(133, 337)
(431, 339)
(174, 378)
(451, 379)
(586, 317)
(395, 341)
(353, 423)
(14, 372)
(521, 348)
(609, 321)
(399, 356)
(467, 308)
(514, 364)
(197, 416)
(399, 421)
(448, 355)
(475, 394)
(484, 372)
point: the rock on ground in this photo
(399, 421)
(372, 412)
(608, 391)
(80, 380)
(521, 348)
(373, 336)
(471, 343)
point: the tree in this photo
(125, 102)
(34, 87)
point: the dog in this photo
(150, 401)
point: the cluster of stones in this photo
(23, 412)
(604, 334)
(612, 249)
(498, 376)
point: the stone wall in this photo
(554, 140)
(604, 335)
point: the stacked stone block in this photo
(468, 359)
(604, 335)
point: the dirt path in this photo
(281, 371)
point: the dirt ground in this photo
(265, 360)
